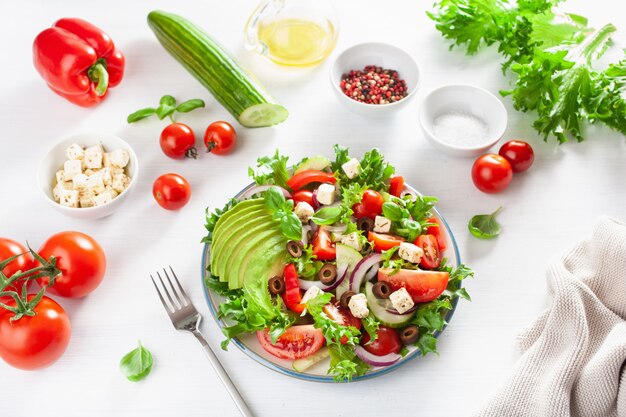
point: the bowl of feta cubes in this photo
(88, 175)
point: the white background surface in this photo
(546, 210)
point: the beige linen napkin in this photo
(574, 354)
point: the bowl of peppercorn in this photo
(374, 79)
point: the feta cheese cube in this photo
(401, 300)
(107, 178)
(88, 200)
(120, 158)
(382, 224)
(80, 183)
(92, 159)
(326, 194)
(352, 168)
(60, 175)
(69, 198)
(116, 170)
(94, 184)
(95, 148)
(358, 306)
(352, 240)
(120, 182)
(109, 190)
(102, 199)
(106, 159)
(75, 151)
(71, 168)
(310, 294)
(59, 188)
(410, 252)
(304, 211)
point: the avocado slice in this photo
(249, 249)
(267, 249)
(241, 208)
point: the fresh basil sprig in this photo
(136, 364)
(485, 226)
(282, 210)
(327, 215)
(167, 107)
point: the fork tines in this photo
(172, 292)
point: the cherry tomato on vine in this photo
(8, 249)
(171, 191)
(81, 260)
(491, 173)
(519, 154)
(177, 141)
(34, 342)
(220, 138)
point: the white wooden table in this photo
(546, 209)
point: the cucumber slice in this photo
(261, 115)
(318, 163)
(381, 313)
(301, 365)
(346, 255)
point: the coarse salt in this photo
(460, 128)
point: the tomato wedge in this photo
(423, 286)
(437, 231)
(341, 315)
(383, 241)
(432, 256)
(309, 176)
(323, 247)
(297, 342)
(292, 295)
(388, 341)
(396, 185)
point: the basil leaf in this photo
(140, 114)
(167, 100)
(291, 226)
(164, 110)
(327, 215)
(274, 199)
(137, 364)
(485, 226)
(394, 212)
(189, 105)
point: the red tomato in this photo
(292, 295)
(177, 141)
(396, 185)
(432, 257)
(388, 341)
(323, 248)
(310, 176)
(373, 203)
(491, 173)
(423, 286)
(384, 242)
(341, 315)
(34, 342)
(359, 211)
(8, 249)
(519, 154)
(303, 196)
(171, 191)
(296, 343)
(220, 138)
(81, 260)
(437, 231)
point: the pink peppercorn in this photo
(373, 85)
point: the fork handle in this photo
(221, 372)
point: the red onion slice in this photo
(375, 360)
(373, 271)
(337, 229)
(305, 234)
(356, 279)
(342, 273)
(259, 189)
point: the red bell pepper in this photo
(307, 177)
(292, 295)
(78, 61)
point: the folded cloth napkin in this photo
(574, 354)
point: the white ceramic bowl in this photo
(382, 55)
(466, 99)
(54, 159)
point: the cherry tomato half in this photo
(519, 154)
(432, 257)
(323, 247)
(81, 260)
(177, 141)
(303, 196)
(491, 173)
(373, 202)
(437, 231)
(171, 191)
(388, 341)
(297, 342)
(396, 185)
(383, 241)
(220, 138)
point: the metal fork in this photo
(184, 316)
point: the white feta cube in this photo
(410, 252)
(304, 211)
(106, 159)
(326, 194)
(102, 199)
(109, 190)
(71, 168)
(59, 188)
(69, 198)
(352, 168)
(92, 159)
(88, 200)
(79, 183)
(358, 306)
(352, 240)
(310, 294)
(116, 170)
(94, 184)
(382, 224)
(120, 182)
(401, 300)
(107, 177)
(60, 175)
(120, 158)
(75, 151)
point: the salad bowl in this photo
(249, 344)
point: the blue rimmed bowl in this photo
(318, 373)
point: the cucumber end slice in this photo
(261, 115)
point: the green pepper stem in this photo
(98, 74)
